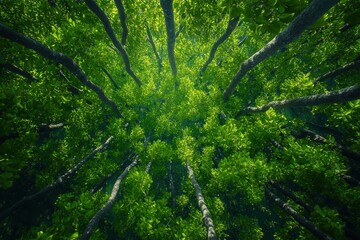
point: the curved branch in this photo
(229, 29)
(15, 69)
(201, 201)
(338, 96)
(110, 32)
(110, 77)
(353, 65)
(311, 13)
(151, 41)
(61, 180)
(167, 7)
(100, 214)
(60, 58)
(122, 16)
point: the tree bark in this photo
(60, 58)
(101, 213)
(311, 13)
(110, 32)
(353, 65)
(110, 78)
(167, 7)
(148, 166)
(15, 69)
(300, 219)
(201, 201)
(151, 41)
(74, 90)
(338, 96)
(60, 180)
(229, 29)
(122, 16)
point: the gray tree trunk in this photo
(313, 12)
(351, 66)
(122, 16)
(201, 201)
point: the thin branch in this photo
(15, 69)
(229, 29)
(201, 201)
(151, 41)
(353, 65)
(167, 7)
(60, 180)
(338, 96)
(311, 13)
(60, 58)
(74, 90)
(110, 32)
(122, 16)
(110, 78)
(101, 213)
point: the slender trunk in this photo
(230, 28)
(110, 78)
(338, 96)
(148, 166)
(311, 13)
(353, 65)
(110, 32)
(167, 7)
(101, 213)
(300, 219)
(60, 180)
(122, 16)
(201, 201)
(60, 58)
(74, 90)
(151, 41)
(19, 71)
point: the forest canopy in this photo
(170, 119)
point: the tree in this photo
(97, 68)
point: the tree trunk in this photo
(230, 28)
(311, 13)
(300, 219)
(19, 71)
(60, 180)
(60, 58)
(151, 41)
(338, 96)
(110, 32)
(167, 7)
(101, 213)
(74, 90)
(350, 180)
(122, 16)
(148, 166)
(110, 78)
(353, 65)
(201, 201)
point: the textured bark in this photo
(101, 213)
(300, 219)
(148, 166)
(60, 180)
(110, 32)
(230, 28)
(122, 16)
(167, 7)
(19, 71)
(151, 41)
(110, 78)
(351, 66)
(59, 58)
(338, 96)
(311, 13)
(74, 90)
(201, 201)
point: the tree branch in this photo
(101, 213)
(110, 32)
(311, 13)
(110, 77)
(151, 41)
(122, 16)
(19, 71)
(60, 180)
(167, 7)
(60, 58)
(229, 29)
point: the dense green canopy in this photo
(185, 119)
